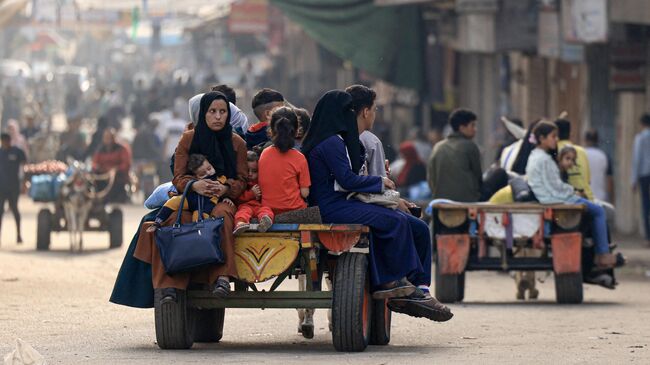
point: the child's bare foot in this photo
(265, 223)
(241, 227)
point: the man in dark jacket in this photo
(454, 169)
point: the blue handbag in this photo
(185, 247)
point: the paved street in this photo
(58, 303)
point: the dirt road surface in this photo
(58, 302)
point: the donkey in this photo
(78, 196)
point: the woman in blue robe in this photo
(335, 156)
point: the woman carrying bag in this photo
(226, 151)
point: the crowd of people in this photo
(286, 161)
(549, 168)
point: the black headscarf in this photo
(333, 115)
(216, 146)
(527, 146)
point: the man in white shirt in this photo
(602, 183)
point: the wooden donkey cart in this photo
(285, 251)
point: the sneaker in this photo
(221, 288)
(418, 304)
(241, 227)
(265, 223)
(395, 289)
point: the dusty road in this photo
(58, 302)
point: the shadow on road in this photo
(60, 253)
(539, 303)
(306, 348)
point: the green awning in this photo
(383, 41)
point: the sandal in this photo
(418, 304)
(605, 261)
(221, 288)
(397, 288)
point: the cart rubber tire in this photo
(115, 221)
(174, 322)
(43, 230)
(461, 287)
(380, 325)
(568, 288)
(351, 303)
(208, 324)
(450, 288)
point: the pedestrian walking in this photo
(641, 171)
(454, 169)
(11, 160)
(600, 166)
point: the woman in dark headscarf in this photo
(334, 154)
(226, 151)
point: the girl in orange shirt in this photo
(283, 171)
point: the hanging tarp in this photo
(386, 42)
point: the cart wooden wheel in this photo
(351, 303)
(43, 230)
(381, 321)
(174, 321)
(208, 324)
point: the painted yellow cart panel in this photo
(260, 257)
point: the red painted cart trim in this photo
(453, 252)
(567, 252)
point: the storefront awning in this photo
(386, 42)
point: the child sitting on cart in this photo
(545, 182)
(283, 176)
(201, 168)
(566, 159)
(249, 203)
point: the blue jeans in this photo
(598, 225)
(422, 241)
(644, 188)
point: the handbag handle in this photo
(180, 208)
